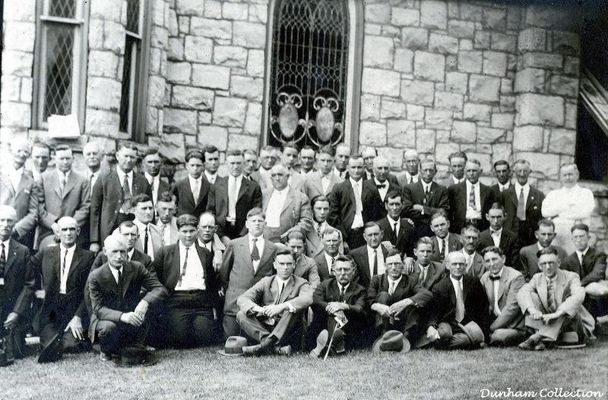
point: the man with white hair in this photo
(410, 175)
(567, 206)
(92, 157)
(369, 156)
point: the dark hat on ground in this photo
(392, 341)
(473, 332)
(135, 356)
(52, 350)
(233, 346)
(569, 340)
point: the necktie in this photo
(278, 299)
(472, 203)
(580, 258)
(184, 265)
(119, 284)
(442, 246)
(426, 195)
(2, 259)
(63, 262)
(64, 181)
(425, 271)
(152, 187)
(195, 191)
(332, 259)
(232, 194)
(411, 179)
(521, 206)
(126, 195)
(255, 254)
(395, 231)
(146, 241)
(375, 270)
(459, 302)
(391, 288)
(551, 296)
(342, 291)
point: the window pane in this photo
(62, 8)
(133, 16)
(128, 73)
(59, 62)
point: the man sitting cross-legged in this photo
(271, 312)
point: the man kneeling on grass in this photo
(271, 312)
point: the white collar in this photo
(472, 185)
(393, 280)
(62, 174)
(282, 191)
(282, 281)
(122, 173)
(455, 282)
(150, 177)
(69, 249)
(370, 250)
(353, 182)
(393, 221)
(493, 232)
(582, 253)
(519, 187)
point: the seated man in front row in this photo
(271, 312)
(553, 303)
(118, 315)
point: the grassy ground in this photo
(203, 374)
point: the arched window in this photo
(312, 72)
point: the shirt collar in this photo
(493, 232)
(393, 280)
(283, 281)
(151, 178)
(454, 281)
(209, 175)
(282, 191)
(343, 287)
(122, 173)
(391, 220)
(62, 174)
(353, 182)
(371, 251)
(472, 185)
(519, 187)
(500, 273)
(6, 242)
(377, 182)
(69, 249)
(582, 253)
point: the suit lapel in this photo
(531, 199)
(11, 256)
(502, 283)
(69, 184)
(542, 292)
(246, 253)
(242, 190)
(127, 275)
(73, 266)
(560, 286)
(289, 286)
(317, 183)
(108, 277)
(289, 199)
(264, 258)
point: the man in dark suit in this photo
(246, 260)
(130, 235)
(185, 269)
(370, 258)
(444, 241)
(271, 311)
(497, 235)
(212, 163)
(113, 194)
(528, 260)
(192, 192)
(314, 237)
(399, 231)
(411, 174)
(346, 204)
(502, 171)
(458, 299)
(332, 242)
(64, 270)
(250, 166)
(587, 262)
(340, 309)
(424, 198)
(150, 239)
(151, 167)
(14, 277)
(118, 311)
(231, 197)
(341, 168)
(369, 157)
(523, 205)
(397, 300)
(426, 271)
(166, 221)
(470, 200)
(375, 190)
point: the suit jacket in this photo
(314, 243)
(322, 266)
(25, 201)
(296, 181)
(528, 262)
(406, 288)
(313, 186)
(402, 179)
(155, 237)
(237, 271)
(360, 256)
(355, 296)
(454, 244)
(478, 267)
(509, 244)
(414, 194)
(296, 292)
(249, 196)
(296, 213)
(72, 202)
(138, 256)
(162, 187)
(306, 268)
(108, 304)
(373, 205)
(16, 279)
(186, 204)
(509, 200)
(172, 231)
(475, 303)
(106, 202)
(405, 239)
(435, 273)
(47, 263)
(342, 207)
(509, 285)
(593, 268)
(457, 195)
(569, 296)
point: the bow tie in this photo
(381, 186)
(494, 277)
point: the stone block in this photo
(414, 38)
(542, 60)
(379, 13)
(253, 121)
(417, 92)
(16, 114)
(255, 63)
(530, 80)
(192, 98)
(438, 119)
(471, 12)
(443, 44)
(571, 115)
(415, 113)
(235, 11)
(156, 91)
(172, 146)
(564, 85)
(470, 61)
(562, 141)
(372, 133)
(370, 107)
(249, 34)
(114, 37)
(229, 111)
(258, 13)
(106, 10)
(464, 132)
(433, 14)
(571, 66)
(501, 151)
(461, 29)
(494, 19)
(494, 63)
(549, 16)
(382, 82)
(448, 101)
(404, 60)
(211, 76)
(484, 88)
(544, 165)
(103, 93)
(429, 66)
(179, 72)
(103, 63)
(190, 7)
(482, 40)
(217, 135)
(26, 91)
(240, 142)
(489, 135)
(507, 103)
(532, 39)
(506, 86)
(247, 87)
(176, 49)
(392, 109)
(504, 42)
(373, 29)
(198, 49)
(425, 141)
(528, 138)
(456, 82)
(230, 56)
(401, 133)
(213, 9)
(443, 150)
(535, 109)
(19, 35)
(378, 52)
(477, 112)
(465, 44)
(390, 31)
(211, 28)
(503, 120)
(101, 122)
(25, 11)
(405, 17)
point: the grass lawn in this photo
(203, 374)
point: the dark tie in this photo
(146, 241)
(426, 195)
(472, 202)
(342, 290)
(425, 272)
(381, 186)
(395, 229)
(278, 299)
(411, 179)
(551, 296)
(375, 270)
(63, 262)
(521, 206)
(442, 246)
(184, 265)
(2, 259)
(126, 195)
(119, 284)
(255, 254)
(494, 277)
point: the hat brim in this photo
(566, 346)
(223, 353)
(406, 347)
(52, 351)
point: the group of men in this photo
(318, 250)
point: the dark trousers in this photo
(231, 326)
(288, 329)
(190, 319)
(57, 320)
(114, 336)
(14, 338)
(355, 335)
(409, 322)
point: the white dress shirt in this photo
(6, 253)
(382, 190)
(569, 204)
(392, 284)
(154, 182)
(411, 178)
(260, 245)
(473, 213)
(339, 174)
(114, 272)
(468, 258)
(456, 181)
(325, 182)
(370, 258)
(14, 175)
(526, 189)
(495, 285)
(504, 187)
(392, 223)
(92, 179)
(193, 278)
(63, 179)
(195, 186)
(275, 206)
(235, 183)
(64, 270)
(496, 235)
(121, 178)
(329, 261)
(142, 237)
(458, 285)
(581, 254)
(357, 189)
(211, 178)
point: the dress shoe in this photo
(529, 343)
(322, 340)
(283, 351)
(540, 346)
(252, 350)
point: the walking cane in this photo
(331, 339)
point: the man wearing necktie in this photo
(552, 302)
(460, 307)
(475, 265)
(322, 181)
(342, 158)
(192, 192)
(166, 223)
(502, 171)
(150, 238)
(209, 239)
(444, 241)
(399, 231)
(151, 165)
(412, 163)
(332, 248)
(499, 236)
(502, 285)
(370, 258)
(271, 312)
(374, 191)
(426, 271)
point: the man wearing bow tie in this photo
(374, 191)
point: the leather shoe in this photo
(321, 344)
(283, 351)
(252, 350)
(528, 344)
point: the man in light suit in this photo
(552, 302)
(150, 240)
(370, 259)
(399, 231)
(444, 241)
(113, 194)
(323, 180)
(475, 265)
(166, 223)
(19, 191)
(231, 197)
(151, 167)
(271, 312)
(502, 284)
(426, 271)
(374, 191)
(499, 236)
(528, 260)
(286, 208)
(332, 242)
(63, 193)
(192, 192)
(306, 267)
(246, 260)
(314, 237)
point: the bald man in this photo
(410, 175)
